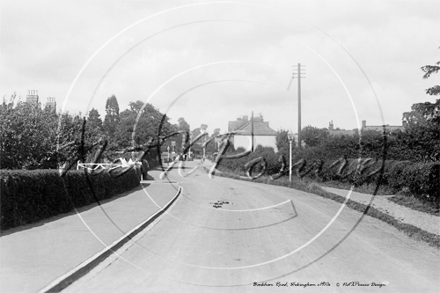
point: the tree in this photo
(370, 144)
(313, 136)
(141, 122)
(94, 120)
(432, 69)
(27, 136)
(430, 111)
(137, 106)
(282, 142)
(213, 146)
(422, 131)
(195, 132)
(183, 125)
(112, 118)
(422, 134)
(422, 113)
(32, 138)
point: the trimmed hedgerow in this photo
(28, 196)
(422, 180)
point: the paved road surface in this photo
(264, 234)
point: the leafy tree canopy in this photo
(429, 70)
(183, 125)
(313, 136)
(94, 119)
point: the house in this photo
(339, 132)
(263, 135)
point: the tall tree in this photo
(141, 125)
(112, 118)
(183, 125)
(94, 120)
(422, 124)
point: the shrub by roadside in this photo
(422, 180)
(28, 196)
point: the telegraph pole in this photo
(299, 75)
(252, 131)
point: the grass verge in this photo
(404, 199)
(415, 204)
(366, 188)
(312, 187)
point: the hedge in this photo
(28, 196)
(420, 179)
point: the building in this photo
(51, 104)
(262, 133)
(32, 97)
(388, 127)
(339, 132)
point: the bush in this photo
(421, 179)
(238, 165)
(31, 196)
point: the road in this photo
(225, 235)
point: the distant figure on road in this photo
(141, 155)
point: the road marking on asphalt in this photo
(341, 208)
(229, 210)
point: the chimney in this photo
(364, 124)
(245, 118)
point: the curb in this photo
(82, 269)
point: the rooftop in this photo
(244, 125)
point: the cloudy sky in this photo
(213, 61)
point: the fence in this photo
(121, 162)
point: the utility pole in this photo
(299, 74)
(252, 131)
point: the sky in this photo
(211, 62)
